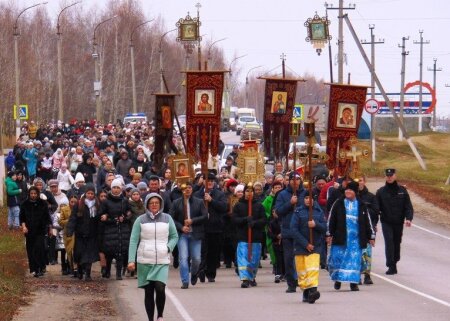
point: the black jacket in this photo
(115, 236)
(372, 204)
(395, 204)
(217, 208)
(198, 213)
(257, 221)
(337, 226)
(36, 216)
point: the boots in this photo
(305, 295)
(80, 272)
(367, 279)
(118, 273)
(313, 295)
(87, 269)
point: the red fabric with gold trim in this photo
(203, 112)
(345, 112)
(279, 100)
(164, 106)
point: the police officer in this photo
(395, 210)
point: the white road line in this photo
(430, 297)
(184, 314)
(429, 231)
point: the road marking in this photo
(184, 314)
(431, 232)
(430, 297)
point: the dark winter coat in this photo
(115, 236)
(217, 208)
(36, 217)
(85, 229)
(372, 204)
(285, 209)
(198, 213)
(337, 225)
(88, 170)
(300, 229)
(395, 204)
(257, 221)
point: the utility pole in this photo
(386, 98)
(372, 44)
(434, 87)
(341, 9)
(199, 49)
(402, 84)
(421, 43)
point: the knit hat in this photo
(353, 186)
(116, 183)
(231, 182)
(268, 174)
(129, 187)
(239, 188)
(79, 178)
(141, 185)
(90, 187)
(134, 190)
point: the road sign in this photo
(297, 114)
(23, 112)
(372, 106)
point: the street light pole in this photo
(246, 85)
(59, 44)
(97, 82)
(16, 65)
(161, 66)
(133, 75)
(209, 52)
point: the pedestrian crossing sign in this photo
(297, 114)
(23, 112)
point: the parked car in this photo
(251, 131)
(244, 120)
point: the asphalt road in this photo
(421, 290)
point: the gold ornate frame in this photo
(251, 163)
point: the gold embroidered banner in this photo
(279, 100)
(203, 111)
(345, 111)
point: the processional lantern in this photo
(189, 32)
(318, 33)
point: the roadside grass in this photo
(435, 151)
(13, 266)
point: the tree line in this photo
(38, 63)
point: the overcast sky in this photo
(264, 29)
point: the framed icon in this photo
(279, 99)
(346, 115)
(166, 116)
(189, 31)
(204, 101)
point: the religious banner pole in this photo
(249, 230)
(309, 128)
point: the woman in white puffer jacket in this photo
(153, 237)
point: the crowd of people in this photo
(83, 193)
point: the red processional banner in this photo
(279, 100)
(203, 111)
(164, 107)
(345, 112)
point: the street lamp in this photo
(133, 75)
(16, 64)
(209, 52)
(161, 67)
(246, 85)
(97, 82)
(60, 90)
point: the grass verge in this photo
(434, 149)
(13, 266)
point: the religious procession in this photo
(275, 199)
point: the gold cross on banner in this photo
(353, 156)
